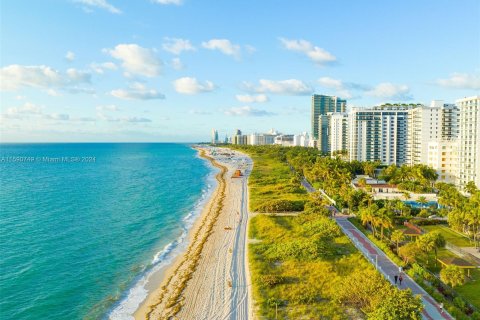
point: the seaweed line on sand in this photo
(173, 301)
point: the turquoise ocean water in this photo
(82, 225)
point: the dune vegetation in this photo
(302, 265)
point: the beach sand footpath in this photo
(211, 279)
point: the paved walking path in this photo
(389, 269)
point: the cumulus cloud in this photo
(102, 4)
(282, 87)
(223, 45)
(137, 60)
(314, 53)
(30, 110)
(16, 76)
(461, 81)
(248, 98)
(165, 2)
(100, 68)
(137, 91)
(70, 56)
(343, 89)
(189, 85)
(247, 111)
(391, 91)
(27, 109)
(328, 82)
(177, 64)
(177, 46)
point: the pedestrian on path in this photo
(441, 308)
(396, 279)
(400, 279)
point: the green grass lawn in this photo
(471, 290)
(450, 235)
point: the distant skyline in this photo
(171, 70)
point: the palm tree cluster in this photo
(463, 211)
(416, 178)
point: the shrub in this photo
(452, 275)
(271, 280)
(458, 302)
(280, 206)
(429, 222)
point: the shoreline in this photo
(211, 277)
(150, 280)
(156, 297)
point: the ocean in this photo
(82, 226)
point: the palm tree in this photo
(384, 220)
(397, 237)
(470, 187)
(422, 200)
(367, 216)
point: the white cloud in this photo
(224, 46)
(70, 56)
(338, 86)
(248, 98)
(283, 87)
(26, 109)
(316, 54)
(15, 76)
(137, 60)
(102, 4)
(53, 93)
(110, 107)
(134, 119)
(247, 111)
(57, 116)
(177, 46)
(391, 91)
(199, 112)
(137, 91)
(328, 82)
(101, 67)
(78, 76)
(461, 81)
(175, 2)
(30, 110)
(188, 85)
(177, 64)
(250, 49)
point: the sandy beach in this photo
(211, 280)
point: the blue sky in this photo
(171, 70)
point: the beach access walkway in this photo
(432, 310)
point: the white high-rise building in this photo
(469, 141)
(215, 139)
(379, 133)
(258, 139)
(301, 140)
(439, 121)
(338, 131)
(443, 157)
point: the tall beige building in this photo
(443, 157)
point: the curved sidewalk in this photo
(389, 269)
